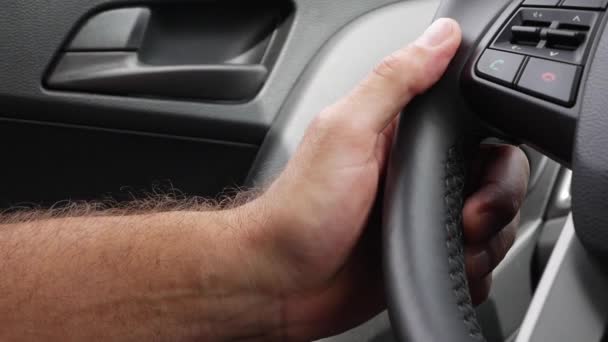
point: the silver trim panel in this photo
(570, 303)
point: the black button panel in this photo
(557, 34)
(553, 81)
(543, 48)
(500, 66)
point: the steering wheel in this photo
(516, 76)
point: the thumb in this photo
(398, 78)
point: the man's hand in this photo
(311, 242)
(299, 262)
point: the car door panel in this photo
(33, 33)
(221, 136)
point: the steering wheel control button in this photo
(499, 66)
(585, 3)
(526, 34)
(565, 39)
(557, 54)
(553, 81)
(583, 19)
(548, 3)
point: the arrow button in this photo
(570, 38)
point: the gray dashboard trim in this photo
(570, 303)
(338, 67)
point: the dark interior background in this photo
(43, 164)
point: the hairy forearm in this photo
(181, 275)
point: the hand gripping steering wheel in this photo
(534, 72)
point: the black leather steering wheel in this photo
(424, 264)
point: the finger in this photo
(480, 289)
(481, 260)
(503, 184)
(395, 81)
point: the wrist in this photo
(274, 263)
(242, 300)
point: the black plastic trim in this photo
(121, 73)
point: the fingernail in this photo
(437, 33)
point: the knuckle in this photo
(388, 67)
(502, 202)
(419, 62)
(405, 68)
(506, 200)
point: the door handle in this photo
(213, 52)
(122, 73)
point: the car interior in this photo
(114, 100)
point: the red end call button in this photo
(554, 81)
